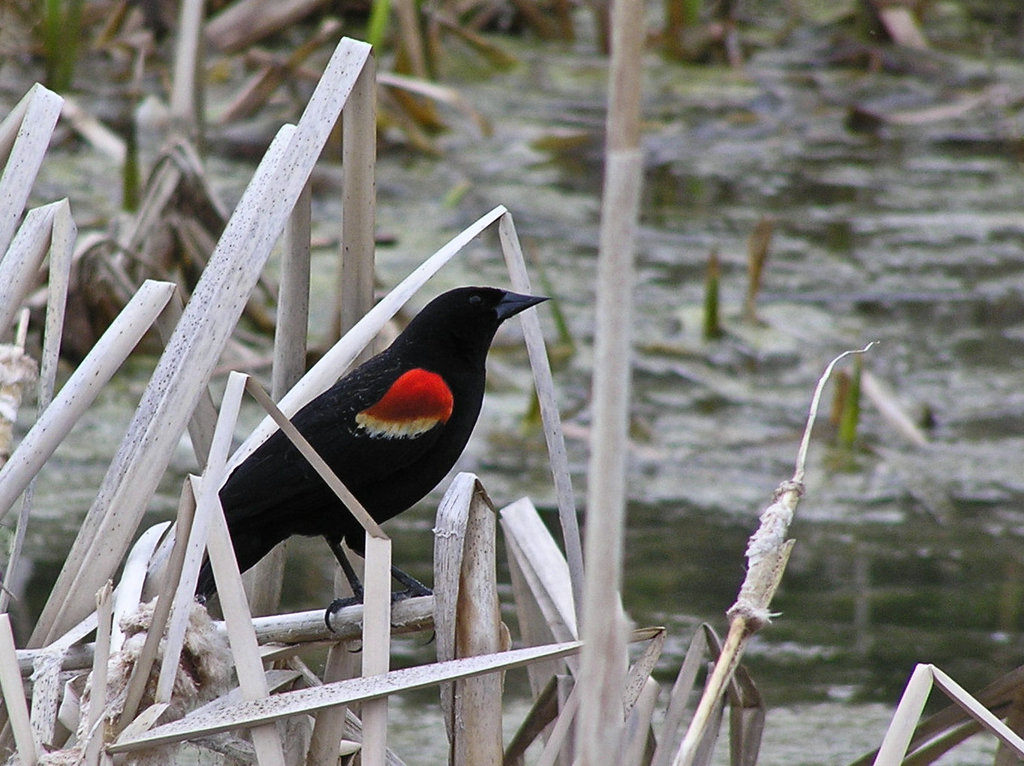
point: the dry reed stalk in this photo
(553, 433)
(242, 23)
(14, 695)
(888, 406)
(80, 390)
(640, 671)
(185, 367)
(293, 299)
(376, 644)
(904, 721)
(128, 595)
(330, 725)
(758, 245)
(24, 138)
(63, 234)
(468, 620)
(207, 504)
(540, 581)
(97, 135)
(637, 730)
(355, 294)
(161, 611)
(602, 662)
(280, 635)
(693, 661)
(560, 732)
(204, 416)
(275, 71)
(544, 607)
(187, 89)
(443, 94)
(767, 553)
(17, 371)
(223, 715)
(19, 268)
(237, 616)
(359, 192)
(96, 714)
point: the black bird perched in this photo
(391, 430)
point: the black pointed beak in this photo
(512, 303)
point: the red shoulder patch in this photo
(414, 404)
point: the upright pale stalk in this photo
(603, 663)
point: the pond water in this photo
(910, 235)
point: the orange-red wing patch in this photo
(414, 404)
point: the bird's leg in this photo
(350, 575)
(413, 587)
(346, 567)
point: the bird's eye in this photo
(475, 300)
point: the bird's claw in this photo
(340, 603)
(411, 592)
(336, 606)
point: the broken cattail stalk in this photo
(767, 553)
(907, 741)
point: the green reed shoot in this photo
(849, 409)
(61, 31)
(712, 313)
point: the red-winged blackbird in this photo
(391, 430)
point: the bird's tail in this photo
(205, 587)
